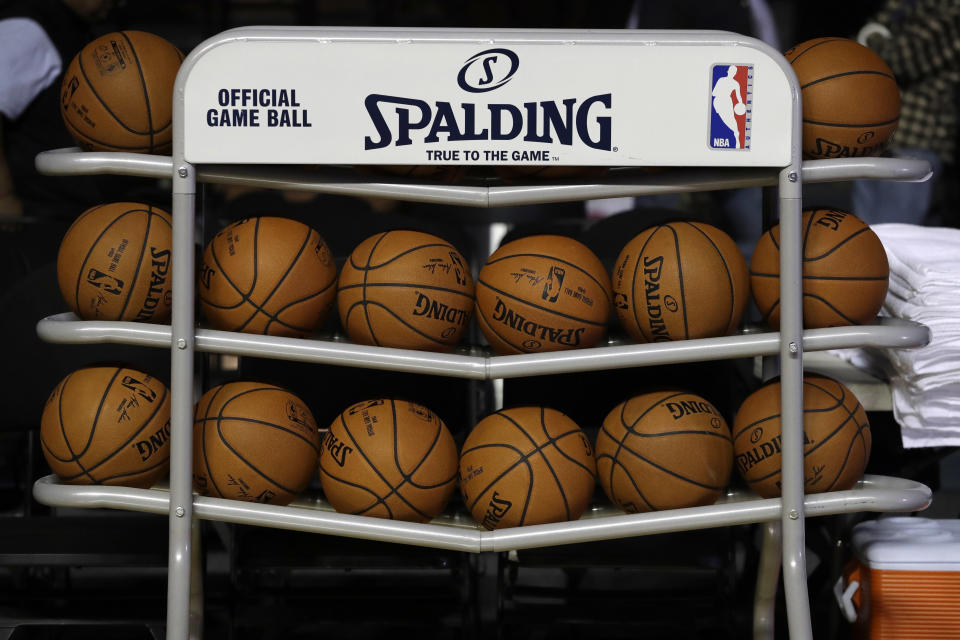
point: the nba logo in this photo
(731, 106)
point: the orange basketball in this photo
(107, 425)
(851, 102)
(664, 450)
(543, 293)
(117, 93)
(114, 263)
(836, 444)
(405, 289)
(254, 442)
(272, 276)
(678, 281)
(845, 271)
(526, 465)
(389, 459)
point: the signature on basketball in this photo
(529, 274)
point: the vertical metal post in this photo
(791, 398)
(196, 582)
(768, 577)
(181, 382)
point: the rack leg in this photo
(768, 577)
(791, 410)
(181, 407)
(196, 583)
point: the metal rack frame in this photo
(784, 535)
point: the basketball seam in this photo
(555, 259)
(203, 437)
(408, 477)
(683, 297)
(96, 417)
(356, 485)
(143, 86)
(397, 317)
(806, 381)
(78, 133)
(814, 46)
(546, 461)
(538, 307)
(831, 307)
(838, 245)
(395, 489)
(239, 456)
(806, 453)
(840, 403)
(846, 459)
(840, 278)
(858, 125)
(430, 287)
(259, 308)
(129, 474)
(136, 270)
(685, 432)
(366, 270)
(106, 108)
(130, 439)
(216, 260)
(538, 448)
(63, 432)
(628, 428)
(726, 269)
(806, 235)
(372, 267)
(481, 316)
(374, 468)
(266, 423)
(847, 73)
(614, 464)
(524, 459)
(668, 471)
(275, 317)
(633, 283)
(92, 247)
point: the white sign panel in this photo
(334, 101)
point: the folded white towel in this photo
(925, 288)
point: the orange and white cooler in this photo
(904, 581)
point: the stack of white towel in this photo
(925, 288)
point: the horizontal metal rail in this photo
(66, 328)
(457, 531)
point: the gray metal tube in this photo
(181, 406)
(791, 410)
(888, 332)
(768, 577)
(458, 531)
(344, 181)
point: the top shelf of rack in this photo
(620, 182)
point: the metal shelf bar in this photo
(66, 328)
(873, 493)
(344, 181)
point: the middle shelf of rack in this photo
(456, 531)
(66, 328)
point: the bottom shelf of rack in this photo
(457, 531)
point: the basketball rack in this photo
(415, 70)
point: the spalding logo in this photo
(485, 71)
